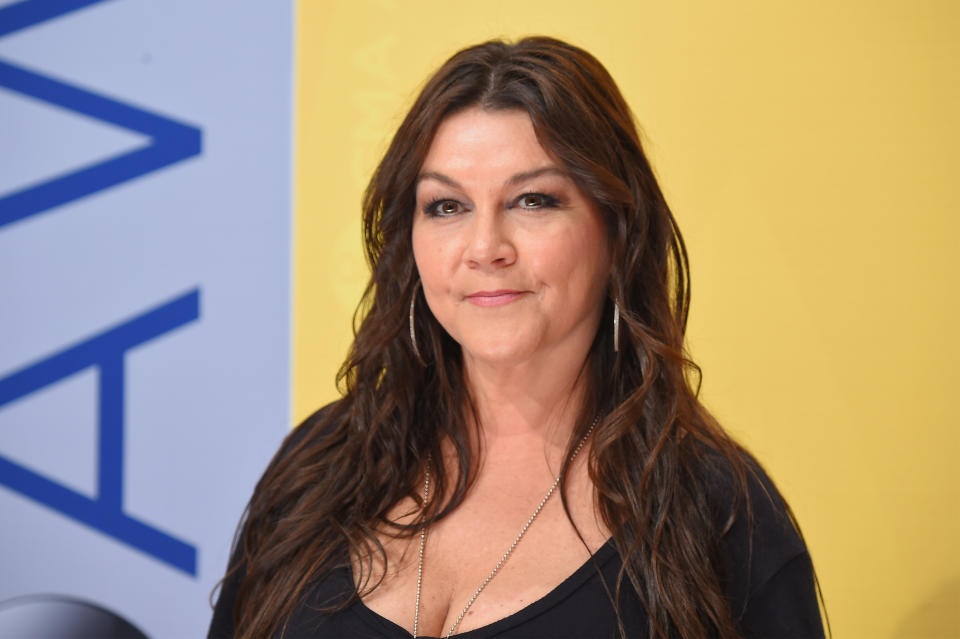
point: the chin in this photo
(501, 353)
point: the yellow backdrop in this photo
(809, 152)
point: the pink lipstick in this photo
(494, 298)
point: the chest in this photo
(580, 607)
(503, 549)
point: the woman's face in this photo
(513, 257)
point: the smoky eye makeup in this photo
(442, 207)
(539, 194)
(534, 200)
(527, 201)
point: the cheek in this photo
(594, 251)
(432, 258)
(575, 259)
(422, 250)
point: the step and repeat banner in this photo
(145, 224)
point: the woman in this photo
(519, 451)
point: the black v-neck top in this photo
(765, 570)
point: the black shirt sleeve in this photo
(786, 606)
(768, 572)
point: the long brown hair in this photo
(323, 498)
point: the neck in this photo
(533, 404)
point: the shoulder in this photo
(320, 432)
(311, 433)
(758, 531)
(762, 558)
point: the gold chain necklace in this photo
(503, 559)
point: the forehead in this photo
(478, 141)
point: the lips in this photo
(494, 298)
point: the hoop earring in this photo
(413, 334)
(616, 327)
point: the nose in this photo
(489, 241)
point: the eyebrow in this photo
(514, 179)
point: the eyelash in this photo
(548, 202)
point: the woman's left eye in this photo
(535, 201)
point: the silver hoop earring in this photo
(616, 327)
(413, 334)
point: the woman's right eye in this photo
(443, 208)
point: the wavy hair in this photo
(328, 491)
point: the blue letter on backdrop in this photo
(106, 351)
(171, 141)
